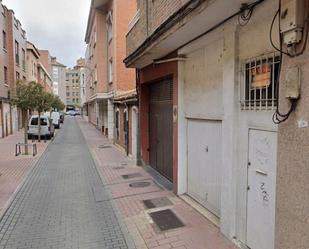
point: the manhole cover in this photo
(139, 184)
(104, 146)
(118, 168)
(130, 176)
(166, 220)
(157, 202)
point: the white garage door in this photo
(204, 163)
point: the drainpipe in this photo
(138, 141)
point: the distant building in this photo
(74, 76)
(59, 79)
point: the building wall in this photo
(32, 63)
(292, 218)
(45, 59)
(3, 55)
(124, 78)
(209, 82)
(72, 88)
(59, 77)
(152, 15)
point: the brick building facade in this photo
(106, 75)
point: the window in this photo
(5, 75)
(110, 71)
(17, 76)
(117, 125)
(24, 59)
(259, 85)
(109, 23)
(94, 37)
(125, 127)
(4, 39)
(17, 52)
(68, 94)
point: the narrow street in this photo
(57, 207)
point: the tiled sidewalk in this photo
(13, 169)
(198, 232)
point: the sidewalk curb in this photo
(32, 167)
(129, 241)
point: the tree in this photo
(57, 104)
(26, 99)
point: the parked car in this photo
(70, 113)
(47, 127)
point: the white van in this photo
(47, 127)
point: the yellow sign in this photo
(261, 76)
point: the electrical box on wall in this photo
(292, 83)
(292, 21)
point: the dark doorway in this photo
(161, 127)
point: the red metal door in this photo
(161, 127)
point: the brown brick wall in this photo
(158, 12)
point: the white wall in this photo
(209, 89)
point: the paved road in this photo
(56, 207)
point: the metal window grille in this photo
(259, 89)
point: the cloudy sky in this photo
(56, 25)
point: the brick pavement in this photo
(198, 233)
(63, 203)
(13, 169)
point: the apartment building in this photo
(106, 75)
(59, 79)
(208, 79)
(75, 78)
(33, 56)
(13, 68)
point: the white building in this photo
(59, 79)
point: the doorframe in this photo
(253, 128)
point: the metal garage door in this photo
(161, 127)
(204, 163)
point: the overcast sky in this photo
(56, 25)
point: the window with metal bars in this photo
(259, 89)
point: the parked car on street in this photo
(47, 127)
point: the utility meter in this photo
(292, 21)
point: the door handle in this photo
(206, 148)
(261, 172)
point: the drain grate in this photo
(166, 220)
(157, 202)
(130, 176)
(139, 184)
(118, 167)
(104, 146)
(123, 164)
